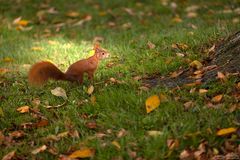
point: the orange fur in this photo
(41, 72)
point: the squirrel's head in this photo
(100, 52)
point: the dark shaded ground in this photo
(224, 58)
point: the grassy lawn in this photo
(113, 120)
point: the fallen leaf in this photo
(116, 144)
(144, 88)
(221, 76)
(226, 131)
(40, 149)
(7, 59)
(72, 14)
(9, 156)
(192, 14)
(36, 101)
(3, 71)
(180, 54)
(188, 105)
(152, 103)
(185, 155)
(36, 48)
(42, 123)
(91, 125)
(217, 98)
(23, 109)
(83, 153)
(132, 154)
(129, 11)
(90, 90)
(180, 46)
(196, 64)
(151, 45)
(121, 133)
(93, 99)
(201, 91)
(127, 25)
(23, 23)
(59, 92)
(176, 74)
(154, 133)
(177, 19)
(137, 78)
(17, 134)
(172, 143)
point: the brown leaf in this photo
(36, 101)
(132, 154)
(121, 133)
(188, 105)
(9, 156)
(221, 76)
(144, 88)
(185, 154)
(91, 125)
(40, 149)
(42, 123)
(17, 134)
(192, 14)
(217, 98)
(176, 74)
(151, 45)
(172, 143)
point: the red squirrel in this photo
(42, 71)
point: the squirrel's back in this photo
(42, 71)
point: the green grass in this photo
(117, 105)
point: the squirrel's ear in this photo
(96, 46)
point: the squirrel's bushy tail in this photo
(41, 72)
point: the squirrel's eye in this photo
(103, 53)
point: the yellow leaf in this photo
(116, 144)
(196, 64)
(36, 48)
(7, 59)
(152, 103)
(23, 23)
(226, 131)
(90, 90)
(217, 98)
(83, 153)
(23, 109)
(154, 133)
